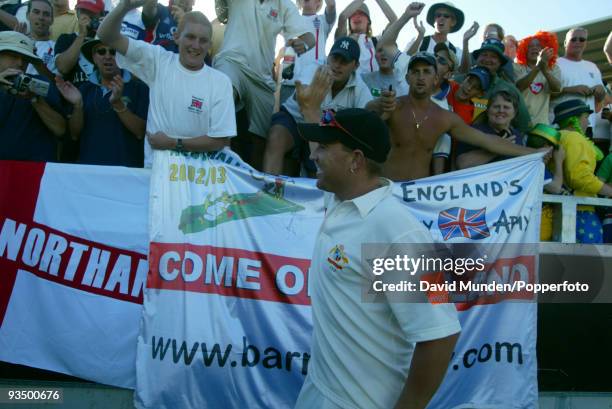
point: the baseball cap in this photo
(483, 75)
(428, 58)
(19, 43)
(355, 128)
(347, 48)
(365, 10)
(95, 6)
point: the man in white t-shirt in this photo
(247, 56)
(579, 78)
(39, 17)
(381, 354)
(191, 106)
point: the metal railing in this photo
(564, 219)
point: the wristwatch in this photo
(179, 145)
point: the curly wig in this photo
(546, 39)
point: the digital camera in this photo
(25, 82)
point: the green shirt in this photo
(605, 169)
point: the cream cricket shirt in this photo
(361, 352)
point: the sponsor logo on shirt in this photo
(536, 87)
(196, 105)
(273, 14)
(337, 258)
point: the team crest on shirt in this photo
(196, 105)
(273, 14)
(337, 258)
(536, 87)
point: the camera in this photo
(94, 24)
(27, 83)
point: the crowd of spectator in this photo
(106, 85)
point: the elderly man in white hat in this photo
(445, 18)
(29, 121)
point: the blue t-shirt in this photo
(165, 29)
(464, 147)
(104, 139)
(23, 135)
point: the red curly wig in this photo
(546, 39)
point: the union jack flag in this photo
(196, 103)
(460, 222)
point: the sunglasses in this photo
(103, 51)
(575, 39)
(445, 15)
(329, 119)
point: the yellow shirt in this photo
(579, 164)
(65, 24)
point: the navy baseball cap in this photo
(483, 75)
(355, 128)
(347, 48)
(428, 58)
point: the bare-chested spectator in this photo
(416, 123)
(445, 18)
(346, 90)
(355, 21)
(537, 73)
(247, 57)
(580, 79)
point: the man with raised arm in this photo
(191, 106)
(416, 123)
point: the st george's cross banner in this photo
(226, 319)
(73, 265)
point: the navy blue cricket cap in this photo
(427, 58)
(359, 129)
(347, 48)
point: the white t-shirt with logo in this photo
(183, 103)
(307, 63)
(578, 73)
(45, 51)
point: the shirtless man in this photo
(416, 123)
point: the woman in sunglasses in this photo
(109, 111)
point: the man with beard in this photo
(191, 106)
(416, 123)
(109, 111)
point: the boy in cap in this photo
(348, 149)
(30, 124)
(491, 56)
(543, 135)
(460, 97)
(344, 89)
(416, 123)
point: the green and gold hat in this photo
(543, 131)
